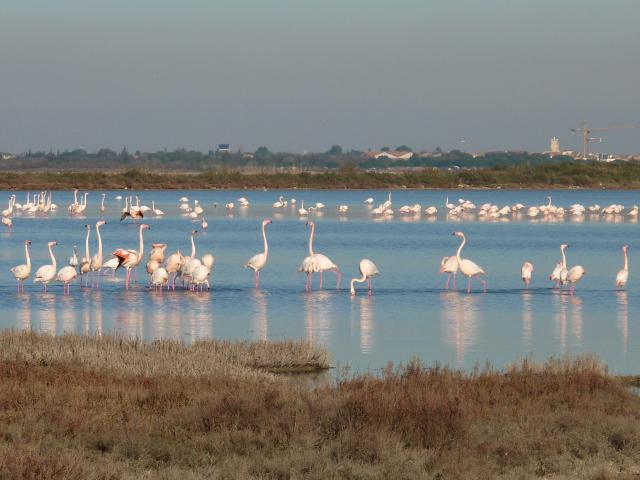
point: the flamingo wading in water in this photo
(130, 259)
(317, 262)
(47, 273)
(368, 269)
(526, 272)
(623, 274)
(22, 272)
(468, 268)
(259, 261)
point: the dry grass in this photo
(124, 356)
(561, 419)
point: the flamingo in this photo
(555, 274)
(623, 274)
(156, 211)
(317, 262)
(47, 273)
(526, 272)
(200, 277)
(204, 224)
(302, 211)
(85, 266)
(279, 203)
(563, 269)
(159, 278)
(111, 264)
(22, 272)
(97, 260)
(7, 222)
(73, 259)
(130, 259)
(131, 211)
(368, 270)
(174, 264)
(191, 262)
(368, 201)
(66, 275)
(449, 265)
(259, 261)
(468, 268)
(572, 275)
(102, 207)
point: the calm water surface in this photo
(410, 313)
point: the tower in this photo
(555, 145)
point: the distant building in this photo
(554, 148)
(223, 148)
(389, 155)
(8, 156)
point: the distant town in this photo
(236, 157)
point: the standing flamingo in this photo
(317, 262)
(449, 265)
(468, 268)
(572, 275)
(85, 266)
(623, 274)
(47, 273)
(22, 272)
(259, 261)
(130, 259)
(66, 275)
(526, 272)
(96, 261)
(368, 270)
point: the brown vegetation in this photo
(559, 175)
(66, 419)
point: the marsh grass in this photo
(125, 356)
(67, 419)
(552, 175)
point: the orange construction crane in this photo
(587, 138)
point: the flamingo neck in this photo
(193, 247)
(626, 259)
(86, 245)
(75, 197)
(141, 242)
(313, 231)
(264, 238)
(53, 258)
(464, 240)
(564, 258)
(26, 252)
(359, 280)
(99, 241)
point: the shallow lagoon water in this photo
(410, 313)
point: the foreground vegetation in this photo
(63, 417)
(559, 175)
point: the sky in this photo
(303, 75)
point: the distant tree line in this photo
(333, 159)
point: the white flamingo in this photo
(468, 268)
(259, 261)
(449, 265)
(66, 275)
(368, 269)
(73, 259)
(85, 265)
(47, 273)
(623, 274)
(22, 272)
(526, 272)
(156, 211)
(97, 260)
(317, 263)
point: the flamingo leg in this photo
(469, 285)
(320, 280)
(338, 277)
(446, 285)
(455, 276)
(370, 286)
(484, 285)
(258, 279)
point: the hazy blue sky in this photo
(303, 75)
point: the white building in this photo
(554, 148)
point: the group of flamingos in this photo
(163, 272)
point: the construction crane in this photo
(585, 131)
